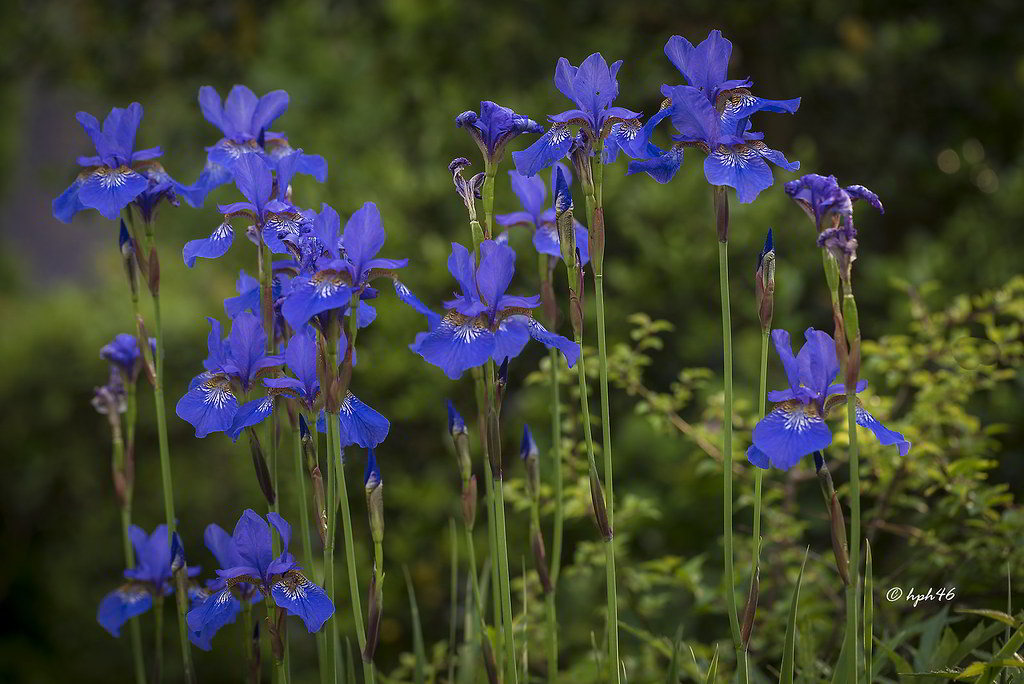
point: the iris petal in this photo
(212, 247)
(885, 436)
(455, 345)
(304, 599)
(120, 606)
(361, 424)
(791, 431)
(108, 190)
(548, 149)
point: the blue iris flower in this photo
(123, 353)
(244, 119)
(204, 625)
(483, 322)
(117, 174)
(264, 185)
(249, 560)
(232, 367)
(333, 266)
(830, 207)
(796, 426)
(592, 87)
(713, 114)
(532, 193)
(150, 577)
(494, 127)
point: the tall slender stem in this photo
(118, 466)
(556, 544)
(759, 473)
(721, 206)
(853, 336)
(251, 671)
(181, 593)
(331, 493)
(158, 639)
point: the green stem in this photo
(138, 663)
(730, 579)
(502, 539)
(492, 528)
(247, 649)
(487, 195)
(853, 333)
(181, 593)
(158, 639)
(330, 494)
(758, 473)
(556, 544)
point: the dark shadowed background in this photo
(919, 101)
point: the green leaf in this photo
(869, 607)
(997, 615)
(903, 668)
(417, 630)
(712, 669)
(673, 665)
(789, 651)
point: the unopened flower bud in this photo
(597, 241)
(764, 283)
(528, 452)
(153, 272)
(374, 496)
(177, 553)
(128, 258)
(564, 223)
(460, 437)
(600, 511)
(275, 627)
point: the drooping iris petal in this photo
(741, 168)
(569, 349)
(509, 339)
(758, 458)
(885, 436)
(250, 413)
(121, 605)
(309, 296)
(68, 204)
(548, 149)
(361, 424)
(209, 405)
(661, 167)
(109, 190)
(791, 431)
(219, 609)
(212, 247)
(406, 296)
(304, 599)
(840, 388)
(248, 298)
(457, 344)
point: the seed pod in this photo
(597, 241)
(373, 611)
(600, 512)
(469, 497)
(259, 463)
(154, 272)
(839, 540)
(750, 609)
(540, 561)
(721, 213)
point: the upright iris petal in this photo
(532, 192)
(494, 127)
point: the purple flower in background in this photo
(592, 87)
(532, 193)
(117, 174)
(796, 427)
(232, 367)
(482, 321)
(249, 560)
(123, 354)
(494, 127)
(245, 120)
(830, 207)
(711, 113)
(150, 577)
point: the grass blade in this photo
(869, 608)
(789, 653)
(713, 668)
(417, 631)
(673, 665)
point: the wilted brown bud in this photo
(373, 611)
(276, 626)
(494, 443)
(600, 511)
(259, 463)
(148, 362)
(839, 539)
(540, 560)
(750, 608)
(469, 497)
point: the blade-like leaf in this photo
(673, 665)
(712, 669)
(869, 607)
(789, 652)
(996, 615)
(417, 631)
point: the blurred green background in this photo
(919, 101)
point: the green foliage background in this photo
(919, 101)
